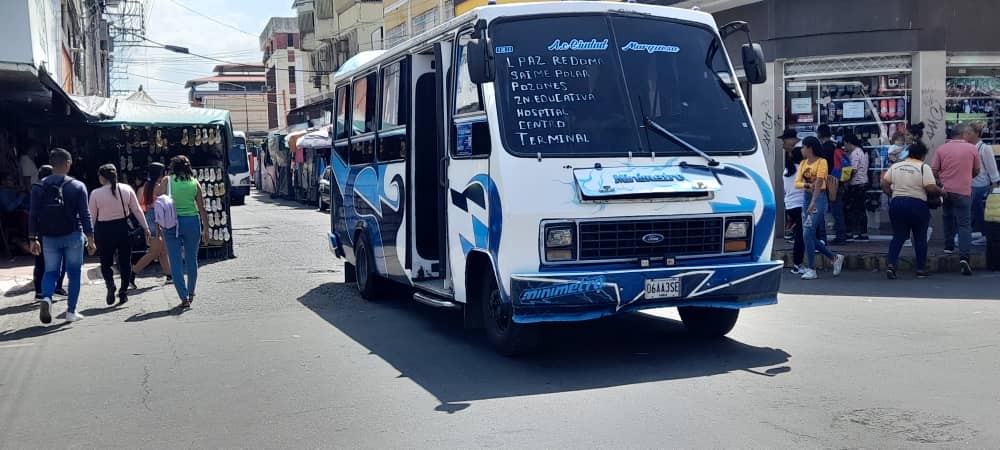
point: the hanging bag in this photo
(934, 200)
(164, 209)
(135, 231)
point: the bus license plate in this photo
(663, 288)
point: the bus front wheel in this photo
(708, 322)
(506, 336)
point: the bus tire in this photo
(506, 336)
(708, 322)
(350, 273)
(240, 200)
(366, 277)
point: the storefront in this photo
(311, 157)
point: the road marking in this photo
(16, 345)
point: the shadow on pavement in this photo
(30, 332)
(456, 366)
(176, 311)
(981, 286)
(292, 204)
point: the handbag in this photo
(135, 230)
(934, 200)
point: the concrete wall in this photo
(255, 104)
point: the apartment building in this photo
(238, 88)
(332, 31)
(406, 18)
(285, 69)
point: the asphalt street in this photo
(279, 353)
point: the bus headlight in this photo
(737, 237)
(560, 242)
(559, 237)
(736, 230)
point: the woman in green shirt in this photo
(187, 236)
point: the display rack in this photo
(216, 198)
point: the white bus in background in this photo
(558, 161)
(239, 169)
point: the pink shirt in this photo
(954, 163)
(105, 206)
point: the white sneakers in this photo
(810, 274)
(73, 317)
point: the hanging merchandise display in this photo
(973, 95)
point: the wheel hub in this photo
(499, 312)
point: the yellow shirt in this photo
(815, 173)
(993, 207)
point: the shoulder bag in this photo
(135, 231)
(934, 200)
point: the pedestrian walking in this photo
(955, 163)
(794, 198)
(855, 212)
(828, 152)
(184, 239)
(157, 248)
(910, 184)
(812, 179)
(39, 273)
(111, 206)
(987, 179)
(59, 223)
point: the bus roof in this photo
(239, 134)
(491, 12)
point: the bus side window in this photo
(340, 130)
(470, 130)
(363, 120)
(395, 110)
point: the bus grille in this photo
(623, 239)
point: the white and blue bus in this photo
(239, 169)
(550, 162)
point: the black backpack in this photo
(55, 218)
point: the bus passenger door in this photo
(469, 184)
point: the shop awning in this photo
(119, 111)
(292, 139)
(316, 139)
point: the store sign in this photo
(797, 86)
(806, 118)
(802, 105)
(854, 110)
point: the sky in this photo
(162, 74)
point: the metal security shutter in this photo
(846, 66)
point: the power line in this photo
(206, 16)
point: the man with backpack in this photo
(60, 218)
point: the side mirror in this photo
(479, 61)
(753, 63)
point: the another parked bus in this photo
(563, 161)
(239, 169)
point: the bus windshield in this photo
(588, 84)
(238, 156)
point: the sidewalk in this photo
(871, 256)
(16, 274)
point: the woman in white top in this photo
(794, 199)
(110, 207)
(909, 183)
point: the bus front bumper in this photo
(563, 296)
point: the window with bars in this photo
(395, 35)
(325, 9)
(424, 21)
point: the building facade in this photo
(408, 18)
(237, 88)
(332, 31)
(285, 69)
(900, 62)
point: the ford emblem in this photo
(653, 238)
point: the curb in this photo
(877, 262)
(15, 286)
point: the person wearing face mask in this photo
(857, 188)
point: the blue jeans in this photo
(979, 195)
(909, 216)
(60, 250)
(809, 224)
(958, 220)
(186, 238)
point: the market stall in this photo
(133, 135)
(311, 157)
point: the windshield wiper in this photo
(679, 141)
